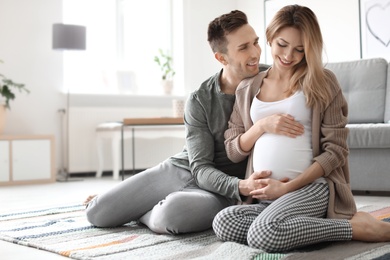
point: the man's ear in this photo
(220, 57)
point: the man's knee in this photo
(163, 225)
(179, 214)
(99, 217)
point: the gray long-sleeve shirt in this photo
(206, 118)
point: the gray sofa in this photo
(366, 87)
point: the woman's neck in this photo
(276, 74)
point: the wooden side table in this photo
(167, 126)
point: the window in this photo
(123, 36)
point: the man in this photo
(185, 192)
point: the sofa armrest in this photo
(369, 135)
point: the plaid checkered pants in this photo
(294, 220)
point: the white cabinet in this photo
(26, 159)
(4, 161)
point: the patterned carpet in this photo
(65, 231)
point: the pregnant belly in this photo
(284, 156)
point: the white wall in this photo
(199, 61)
(339, 21)
(339, 26)
(25, 47)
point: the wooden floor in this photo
(13, 198)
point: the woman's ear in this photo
(220, 57)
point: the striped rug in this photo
(65, 231)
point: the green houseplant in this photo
(7, 93)
(7, 90)
(164, 61)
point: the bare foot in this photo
(88, 199)
(367, 228)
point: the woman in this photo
(291, 121)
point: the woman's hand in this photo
(282, 124)
(271, 189)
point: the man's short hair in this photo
(222, 26)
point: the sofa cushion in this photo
(368, 136)
(364, 86)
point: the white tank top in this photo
(284, 156)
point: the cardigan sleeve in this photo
(333, 135)
(232, 137)
(240, 120)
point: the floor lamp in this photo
(67, 37)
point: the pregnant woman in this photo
(290, 120)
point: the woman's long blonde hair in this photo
(309, 74)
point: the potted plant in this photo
(164, 61)
(7, 93)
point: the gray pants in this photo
(165, 198)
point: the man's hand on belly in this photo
(252, 183)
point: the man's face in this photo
(243, 53)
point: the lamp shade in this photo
(69, 37)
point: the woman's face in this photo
(287, 48)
